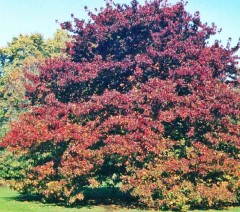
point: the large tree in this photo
(141, 103)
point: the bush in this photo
(140, 104)
(13, 166)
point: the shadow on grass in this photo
(107, 197)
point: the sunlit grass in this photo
(13, 202)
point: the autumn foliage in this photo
(141, 104)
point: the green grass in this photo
(13, 202)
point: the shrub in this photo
(141, 104)
(13, 166)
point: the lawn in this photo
(13, 202)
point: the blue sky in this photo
(30, 16)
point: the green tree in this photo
(25, 52)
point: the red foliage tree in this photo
(140, 103)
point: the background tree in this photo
(140, 103)
(24, 53)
